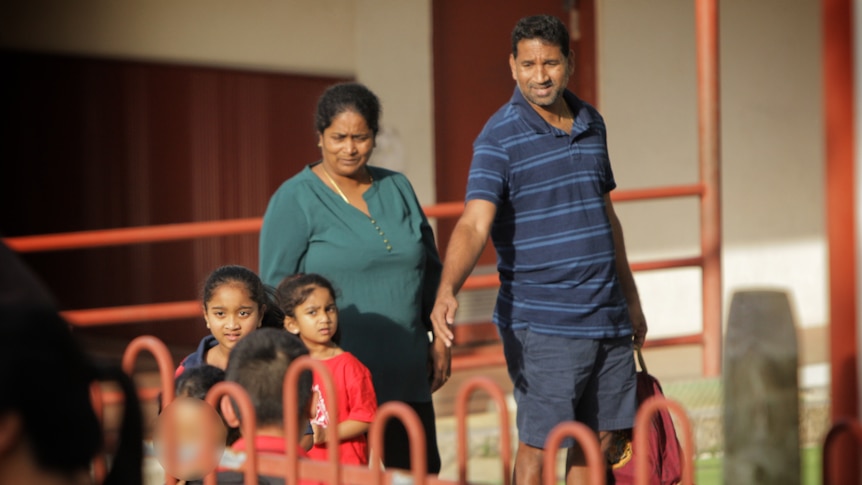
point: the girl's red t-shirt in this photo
(357, 401)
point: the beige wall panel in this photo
(772, 146)
(301, 36)
(393, 57)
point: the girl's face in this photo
(231, 314)
(316, 319)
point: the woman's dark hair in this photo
(294, 290)
(347, 97)
(48, 385)
(259, 293)
(548, 28)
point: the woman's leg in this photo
(397, 446)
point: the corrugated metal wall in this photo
(92, 144)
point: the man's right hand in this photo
(443, 317)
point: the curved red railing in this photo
(163, 359)
(842, 426)
(294, 470)
(588, 442)
(100, 463)
(465, 391)
(291, 418)
(645, 413)
(415, 436)
(248, 427)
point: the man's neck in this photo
(558, 114)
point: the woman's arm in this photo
(283, 238)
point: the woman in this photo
(362, 228)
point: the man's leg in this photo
(556, 370)
(528, 465)
(609, 402)
(576, 461)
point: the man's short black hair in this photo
(259, 362)
(548, 28)
(197, 381)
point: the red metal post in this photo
(706, 32)
(641, 438)
(291, 417)
(586, 439)
(100, 464)
(464, 392)
(163, 359)
(415, 436)
(248, 427)
(850, 428)
(841, 202)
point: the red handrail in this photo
(194, 230)
(230, 227)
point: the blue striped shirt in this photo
(555, 248)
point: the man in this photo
(568, 310)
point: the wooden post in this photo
(761, 392)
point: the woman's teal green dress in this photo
(385, 269)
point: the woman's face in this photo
(346, 144)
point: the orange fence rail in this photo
(710, 335)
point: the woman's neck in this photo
(360, 178)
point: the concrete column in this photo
(394, 59)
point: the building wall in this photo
(772, 127)
(301, 36)
(383, 43)
(772, 147)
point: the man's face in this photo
(541, 71)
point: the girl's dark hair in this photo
(547, 28)
(347, 97)
(50, 389)
(294, 290)
(259, 293)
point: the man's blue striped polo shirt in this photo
(552, 234)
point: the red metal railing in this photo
(196, 230)
(289, 466)
(852, 428)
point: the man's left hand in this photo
(639, 325)
(441, 367)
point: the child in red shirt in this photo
(308, 303)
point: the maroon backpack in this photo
(665, 454)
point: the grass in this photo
(708, 471)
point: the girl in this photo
(308, 303)
(235, 303)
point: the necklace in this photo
(334, 184)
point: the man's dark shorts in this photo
(560, 379)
